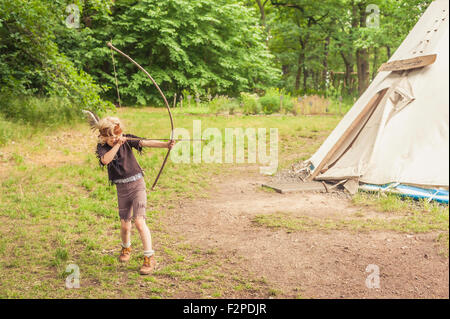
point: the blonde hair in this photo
(109, 126)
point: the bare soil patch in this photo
(313, 264)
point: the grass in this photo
(11, 132)
(251, 104)
(400, 215)
(193, 110)
(443, 239)
(417, 222)
(56, 209)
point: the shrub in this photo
(216, 104)
(231, 106)
(288, 104)
(34, 110)
(186, 101)
(250, 103)
(270, 102)
(223, 104)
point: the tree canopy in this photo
(206, 47)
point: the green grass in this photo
(56, 208)
(267, 189)
(401, 215)
(13, 132)
(247, 104)
(417, 222)
(193, 110)
(443, 239)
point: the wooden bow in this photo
(165, 101)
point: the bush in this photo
(34, 110)
(288, 104)
(232, 105)
(270, 102)
(223, 104)
(250, 103)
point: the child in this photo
(115, 151)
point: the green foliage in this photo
(203, 47)
(199, 46)
(288, 104)
(223, 104)
(251, 104)
(185, 93)
(270, 102)
(30, 60)
(39, 110)
(318, 43)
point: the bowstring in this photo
(115, 76)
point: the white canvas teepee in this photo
(398, 130)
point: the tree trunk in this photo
(348, 77)
(305, 79)
(301, 61)
(362, 56)
(325, 63)
(349, 59)
(362, 62)
(348, 62)
(262, 12)
(375, 62)
(299, 70)
(313, 79)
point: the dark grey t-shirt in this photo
(124, 164)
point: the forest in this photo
(53, 54)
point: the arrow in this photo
(162, 139)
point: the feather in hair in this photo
(92, 118)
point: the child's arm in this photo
(109, 156)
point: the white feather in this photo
(92, 119)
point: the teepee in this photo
(396, 135)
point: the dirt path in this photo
(314, 264)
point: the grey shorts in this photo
(132, 198)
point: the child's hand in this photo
(120, 140)
(170, 144)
